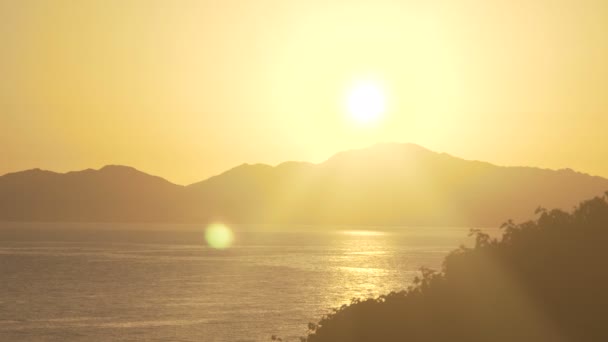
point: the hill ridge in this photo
(385, 184)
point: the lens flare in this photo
(219, 236)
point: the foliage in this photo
(544, 280)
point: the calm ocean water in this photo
(104, 282)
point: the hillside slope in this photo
(386, 184)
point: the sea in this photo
(163, 282)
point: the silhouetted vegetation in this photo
(544, 280)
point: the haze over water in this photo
(102, 282)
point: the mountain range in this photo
(385, 184)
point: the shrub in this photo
(543, 280)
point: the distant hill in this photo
(113, 193)
(386, 184)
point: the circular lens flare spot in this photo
(219, 236)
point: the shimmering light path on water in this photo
(144, 283)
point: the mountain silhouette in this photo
(385, 184)
(112, 193)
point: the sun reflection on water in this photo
(362, 233)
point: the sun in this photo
(365, 102)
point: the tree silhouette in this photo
(543, 280)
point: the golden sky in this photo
(186, 89)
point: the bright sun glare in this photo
(365, 102)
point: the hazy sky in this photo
(187, 89)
